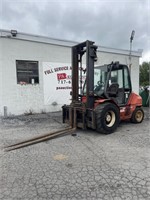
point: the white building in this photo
(35, 71)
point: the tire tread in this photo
(99, 111)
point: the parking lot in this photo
(88, 166)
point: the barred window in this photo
(27, 72)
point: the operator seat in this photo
(113, 90)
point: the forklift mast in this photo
(78, 51)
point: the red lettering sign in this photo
(61, 76)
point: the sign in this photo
(57, 83)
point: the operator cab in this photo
(112, 82)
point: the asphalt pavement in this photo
(88, 166)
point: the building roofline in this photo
(55, 41)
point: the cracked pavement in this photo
(88, 166)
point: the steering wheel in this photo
(99, 85)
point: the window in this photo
(27, 72)
(117, 77)
(126, 79)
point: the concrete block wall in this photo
(106, 58)
(1, 82)
(21, 99)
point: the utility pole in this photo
(131, 39)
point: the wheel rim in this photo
(110, 118)
(139, 116)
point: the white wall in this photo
(106, 58)
(1, 56)
(22, 98)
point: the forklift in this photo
(105, 98)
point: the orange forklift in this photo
(105, 98)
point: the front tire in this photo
(107, 118)
(137, 116)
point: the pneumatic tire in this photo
(137, 116)
(107, 118)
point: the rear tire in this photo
(137, 116)
(107, 118)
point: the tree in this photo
(144, 73)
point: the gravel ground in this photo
(89, 166)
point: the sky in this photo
(108, 23)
